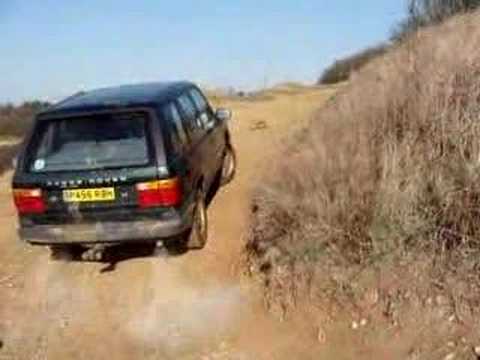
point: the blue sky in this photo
(52, 48)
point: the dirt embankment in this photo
(188, 307)
(371, 216)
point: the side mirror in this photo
(223, 114)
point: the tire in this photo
(197, 236)
(176, 246)
(63, 252)
(229, 166)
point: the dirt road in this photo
(194, 306)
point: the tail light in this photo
(29, 201)
(161, 193)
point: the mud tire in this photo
(63, 252)
(229, 166)
(197, 236)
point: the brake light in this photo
(161, 193)
(29, 201)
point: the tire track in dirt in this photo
(187, 307)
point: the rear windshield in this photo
(89, 143)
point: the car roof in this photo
(125, 96)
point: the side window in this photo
(178, 136)
(203, 109)
(191, 121)
(199, 100)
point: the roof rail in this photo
(77, 94)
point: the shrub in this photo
(7, 153)
(340, 70)
(15, 120)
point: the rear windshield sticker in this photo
(39, 164)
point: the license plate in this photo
(89, 195)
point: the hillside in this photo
(368, 220)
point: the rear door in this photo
(198, 150)
(215, 135)
(178, 145)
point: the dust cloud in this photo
(179, 315)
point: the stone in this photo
(321, 336)
(272, 255)
(372, 297)
(450, 356)
(476, 350)
(414, 354)
(441, 300)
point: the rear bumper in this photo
(104, 232)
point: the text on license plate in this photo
(89, 195)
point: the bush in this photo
(340, 70)
(7, 153)
(15, 120)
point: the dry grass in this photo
(16, 120)
(14, 123)
(7, 153)
(385, 184)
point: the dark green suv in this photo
(132, 164)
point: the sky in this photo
(50, 49)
